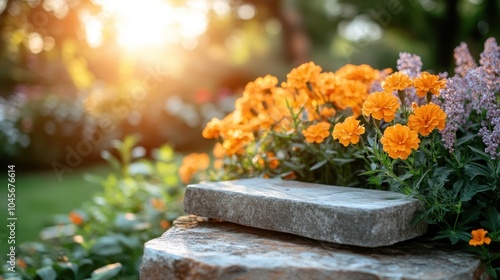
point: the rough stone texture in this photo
(353, 216)
(199, 248)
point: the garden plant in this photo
(435, 137)
(104, 238)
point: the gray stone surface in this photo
(353, 216)
(196, 248)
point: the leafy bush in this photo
(428, 136)
(105, 237)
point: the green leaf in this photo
(480, 153)
(465, 139)
(106, 246)
(46, 273)
(468, 216)
(492, 217)
(343, 160)
(318, 165)
(107, 272)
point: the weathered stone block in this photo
(196, 248)
(353, 216)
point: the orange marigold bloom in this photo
(479, 237)
(363, 73)
(212, 130)
(236, 141)
(327, 112)
(273, 162)
(427, 82)
(396, 81)
(191, 164)
(427, 117)
(300, 76)
(381, 105)
(218, 151)
(399, 140)
(316, 133)
(75, 218)
(348, 132)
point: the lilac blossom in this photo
(474, 89)
(463, 60)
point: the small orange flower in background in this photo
(428, 83)
(218, 151)
(479, 238)
(399, 140)
(381, 105)
(273, 162)
(427, 117)
(191, 164)
(75, 218)
(21, 263)
(348, 132)
(396, 81)
(157, 204)
(164, 224)
(317, 133)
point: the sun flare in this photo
(149, 23)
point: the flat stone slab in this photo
(197, 248)
(353, 216)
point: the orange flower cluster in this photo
(399, 140)
(317, 95)
(305, 106)
(191, 164)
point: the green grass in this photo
(40, 195)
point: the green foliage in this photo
(104, 238)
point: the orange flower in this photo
(75, 218)
(157, 203)
(236, 141)
(427, 82)
(479, 237)
(212, 130)
(316, 133)
(396, 81)
(164, 224)
(348, 132)
(273, 162)
(399, 140)
(218, 151)
(427, 117)
(21, 263)
(381, 105)
(327, 112)
(302, 77)
(191, 164)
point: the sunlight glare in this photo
(152, 23)
(142, 23)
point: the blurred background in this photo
(76, 74)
